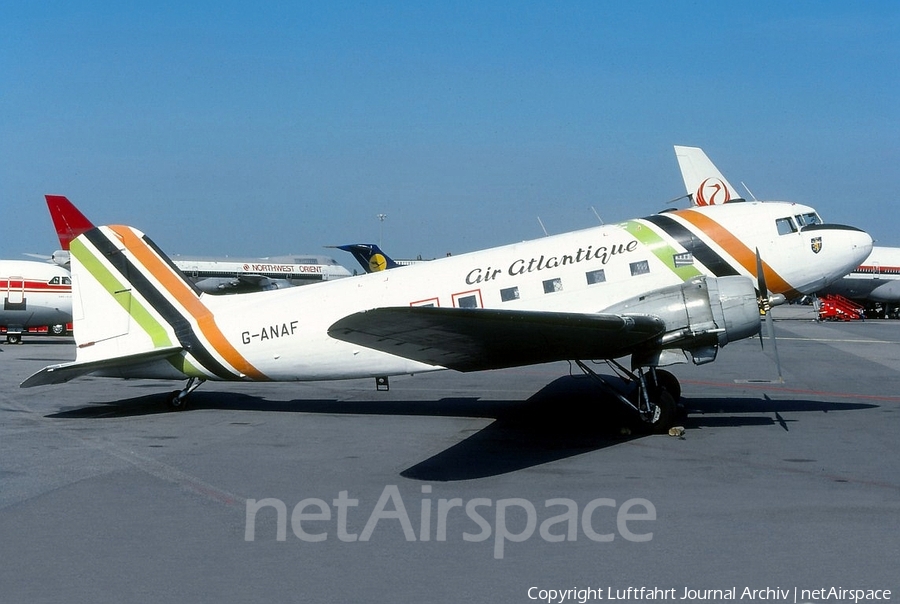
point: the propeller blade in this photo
(765, 309)
(770, 327)
(762, 294)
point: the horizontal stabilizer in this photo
(59, 374)
(467, 339)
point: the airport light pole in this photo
(381, 218)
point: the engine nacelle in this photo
(700, 316)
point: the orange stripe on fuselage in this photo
(738, 250)
(178, 289)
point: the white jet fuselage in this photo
(34, 294)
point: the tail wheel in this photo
(176, 401)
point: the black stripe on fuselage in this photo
(182, 327)
(698, 249)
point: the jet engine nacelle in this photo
(700, 316)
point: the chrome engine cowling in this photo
(700, 316)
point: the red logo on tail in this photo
(712, 192)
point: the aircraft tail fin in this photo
(702, 180)
(369, 256)
(133, 307)
(67, 219)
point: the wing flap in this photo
(467, 339)
(58, 374)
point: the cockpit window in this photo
(54, 281)
(785, 226)
(808, 219)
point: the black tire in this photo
(175, 402)
(57, 330)
(668, 382)
(14, 338)
(664, 416)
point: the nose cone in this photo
(857, 241)
(842, 248)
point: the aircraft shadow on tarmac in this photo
(568, 417)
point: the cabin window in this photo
(67, 281)
(552, 285)
(639, 268)
(467, 301)
(785, 226)
(508, 294)
(598, 276)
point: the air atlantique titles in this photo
(520, 266)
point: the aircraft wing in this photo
(58, 374)
(469, 339)
(258, 281)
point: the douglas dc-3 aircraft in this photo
(212, 275)
(663, 289)
(875, 281)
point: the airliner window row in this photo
(878, 270)
(472, 299)
(554, 285)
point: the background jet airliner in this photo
(369, 256)
(34, 294)
(213, 275)
(668, 288)
(875, 283)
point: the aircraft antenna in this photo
(746, 188)
(546, 234)
(688, 196)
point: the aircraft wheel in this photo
(176, 402)
(668, 382)
(57, 330)
(14, 338)
(664, 414)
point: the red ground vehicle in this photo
(838, 308)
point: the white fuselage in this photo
(876, 279)
(283, 334)
(34, 294)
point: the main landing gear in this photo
(654, 397)
(177, 401)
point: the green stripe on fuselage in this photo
(121, 294)
(647, 235)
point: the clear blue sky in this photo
(257, 128)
